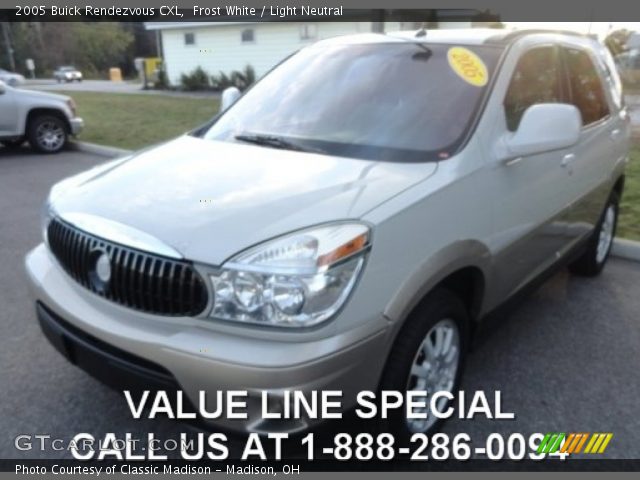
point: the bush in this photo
(249, 76)
(245, 78)
(198, 79)
(221, 81)
(162, 82)
(242, 80)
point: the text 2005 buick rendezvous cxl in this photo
(345, 224)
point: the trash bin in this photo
(115, 74)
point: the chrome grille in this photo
(139, 280)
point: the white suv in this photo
(44, 119)
(346, 224)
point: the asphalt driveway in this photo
(566, 360)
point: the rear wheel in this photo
(599, 246)
(47, 134)
(428, 356)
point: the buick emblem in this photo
(99, 269)
(103, 267)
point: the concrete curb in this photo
(102, 150)
(627, 249)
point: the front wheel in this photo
(47, 134)
(428, 355)
(599, 245)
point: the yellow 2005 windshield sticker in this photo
(468, 66)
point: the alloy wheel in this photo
(435, 367)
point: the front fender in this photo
(432, 271)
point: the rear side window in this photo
(536, 79)
(587, 92)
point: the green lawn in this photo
(134, 121)
(629, 222)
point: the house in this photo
(228, 46)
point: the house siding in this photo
(219, 48)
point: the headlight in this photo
(298, 280)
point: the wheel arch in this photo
(462, 268)
(38, 111)
(618, 186)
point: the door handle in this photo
(567, 159)
(613, 135)
(512, 161)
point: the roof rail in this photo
(514, 35)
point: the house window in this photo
(248, 35)
(308, 31)
(190, 38)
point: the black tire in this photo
(439, 305)
(13, 143)
(595, 257)
(43, 143)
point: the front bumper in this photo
(128, 349)
(110, 365)
(76, 125)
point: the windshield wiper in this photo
(275, 142)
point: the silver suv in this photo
(345, 224)
(45, 120)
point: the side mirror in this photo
(229, 97)
(543, 128)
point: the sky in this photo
(599, 28)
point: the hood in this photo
(209, 200)
(9, 76)
(40, 95)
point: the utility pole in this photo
(7, 45)
(377, 26)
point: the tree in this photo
(616, 41)
(92, 47)
(99, 46)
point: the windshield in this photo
(392, 101)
